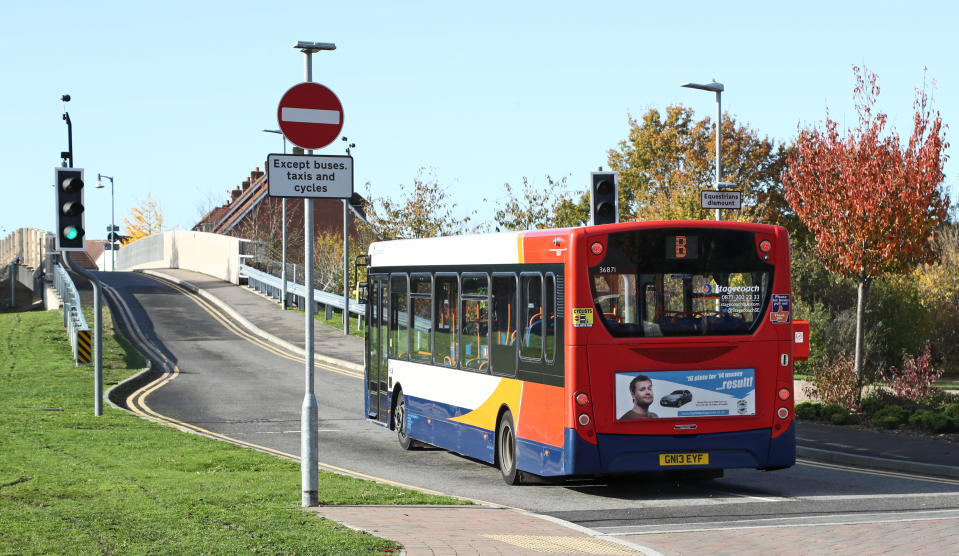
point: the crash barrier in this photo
(270, 285)
(73, 319)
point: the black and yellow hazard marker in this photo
(84, 347)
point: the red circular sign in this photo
(310, 115)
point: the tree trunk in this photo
(860, 334)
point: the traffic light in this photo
(603, 198)
(70, 231)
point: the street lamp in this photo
(717, 88)
(283, 226)
(113, 225)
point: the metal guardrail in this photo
(271, 285)
(73, 318)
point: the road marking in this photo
(830, 520)
(866, 471)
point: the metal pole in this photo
(346, 267)
(66, 116)
(283, 255)
(98, 335)
(13, 284)
(310, 415)
(113, 225)
(719, 128)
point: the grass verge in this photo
(74, 483)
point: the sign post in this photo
(309, 118)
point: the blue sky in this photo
(170, 98)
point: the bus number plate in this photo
(698, 458)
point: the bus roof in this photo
(507, 247)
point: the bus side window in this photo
(421, 298)
(531, 317)
(399, 318)
(549, 319)
(475, 315)
(503, 321)
(445, 325)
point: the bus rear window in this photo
(681, 282)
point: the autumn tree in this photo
(425, 210)
(668, 158)
(871, 200)
(532, 207)
(145, 220)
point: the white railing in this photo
(271, 285)
(73, 317)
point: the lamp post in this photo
(717, 88)
(113, 224)
(283, 243)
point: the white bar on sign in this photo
(310, 116)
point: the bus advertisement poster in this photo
(694, 393)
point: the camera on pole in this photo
(603, 198)
(70, 230)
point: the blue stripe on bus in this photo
(747, 449)
(427, 421)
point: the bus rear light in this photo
(583, 419)
(582, 399)
(783, 413)
(784, 394)
(765, 246)
(596, 248)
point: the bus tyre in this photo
(399, 422)
(506, 450)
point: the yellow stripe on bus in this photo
(509, 391)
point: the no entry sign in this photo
(310, 115)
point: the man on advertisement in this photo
(641, 390)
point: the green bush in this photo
(876, 400)
(842, 416)
(890, 417)
(930, 420)
(827, 412)
(808, 410)
(952, 411)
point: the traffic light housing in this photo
(603, 198)
(70, 228)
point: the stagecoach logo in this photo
(779, 312)
(742, 406)
(583, 316)
(707, 288)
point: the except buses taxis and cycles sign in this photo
(309, 176)
(311, 117)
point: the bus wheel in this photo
(506, 450)
(399, 422)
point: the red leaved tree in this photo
(871, 200)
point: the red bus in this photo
(583, 351)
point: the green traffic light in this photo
(71, 232)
